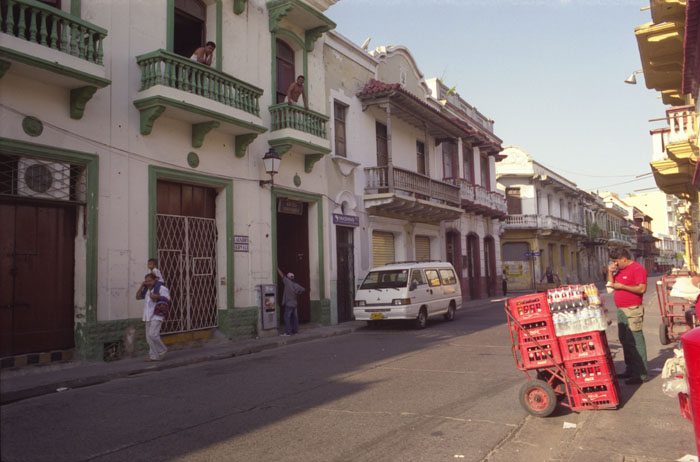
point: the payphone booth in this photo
(268, 306)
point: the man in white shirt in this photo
(151, 294)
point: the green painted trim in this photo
(79, 98)
(280, 8)
(32, 126)
(91, 162)
(312, 35)
(219, 35)
(148, 117)
(170, 26)
(279, 192)
(199, 131)
(54, 67)
(4, 67)
(310, 160)
(239, 6)
(75, 7)
(305, 66)
(193, 159)
(315, 148)
(242, 143)
(154, 174)
(145, 103)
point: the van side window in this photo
(417, 277)
(433, 279)
(448, 277)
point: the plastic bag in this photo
(674, 375)
(684, 288)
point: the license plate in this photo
(376, 316)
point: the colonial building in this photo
(545, 223)
(594, 254)
(117, 147)
(669, 49)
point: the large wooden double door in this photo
(37, 258)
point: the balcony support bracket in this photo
(199, 131)
(312, 35)
(4, 66)
(310, 160)
(78, 99)
(239, 6)
(242, 143)
(148, 118)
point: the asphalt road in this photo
(446, 393)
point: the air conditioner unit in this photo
(42, 179)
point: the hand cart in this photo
(579, 375)
(673, 323)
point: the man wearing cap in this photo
(289, 302)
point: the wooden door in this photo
(382, 145)
(473, 265)
(37, 265)
(285, 69)
(420, 157)
(513, 202)
(293, 253)
(346, 269)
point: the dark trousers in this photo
(504, 286)
(634, 347)
(291, 320)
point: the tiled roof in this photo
(377, 86)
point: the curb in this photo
(235, 351)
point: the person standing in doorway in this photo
(152, 293)
(290, 303)
(629, 281)
(504, 282)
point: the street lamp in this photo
(632, 79)
(272, 166)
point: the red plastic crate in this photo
(538, 329)
(536, 357)
(585, 345)
(604, 393)
(530, 308)
(588, 370)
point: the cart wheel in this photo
(538, 398)
(663, 333)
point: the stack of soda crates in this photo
(590, 368)
(537, 340)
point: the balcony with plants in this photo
(40, 42)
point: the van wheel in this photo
(450, 315)
(422, 319)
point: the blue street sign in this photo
(533, 254)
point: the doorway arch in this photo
(473, 265)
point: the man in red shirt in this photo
(629, 279)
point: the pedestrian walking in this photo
(156, 299)
(290, 303)
(629, 281)
(551, 276)
(504, 282)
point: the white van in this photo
(408, 290)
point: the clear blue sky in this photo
(549, 72)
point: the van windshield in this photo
(385, 279)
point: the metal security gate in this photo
(422, 248)
(382, 248)
(187, 259)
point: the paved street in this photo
(449, 392)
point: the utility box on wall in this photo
(268, 306)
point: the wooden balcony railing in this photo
(379, 179)
(162, 67)
(287, 115)
(45, 25)
(480, 196)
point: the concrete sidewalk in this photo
(31, 381)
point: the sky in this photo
(549, 72)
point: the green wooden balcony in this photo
(298, 118)
(38, 23)
(162, 67)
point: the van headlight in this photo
(401, 301)
(360, 303)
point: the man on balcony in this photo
(295, 90)
(203, 55)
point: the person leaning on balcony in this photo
(204, 54)
(295, 90)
